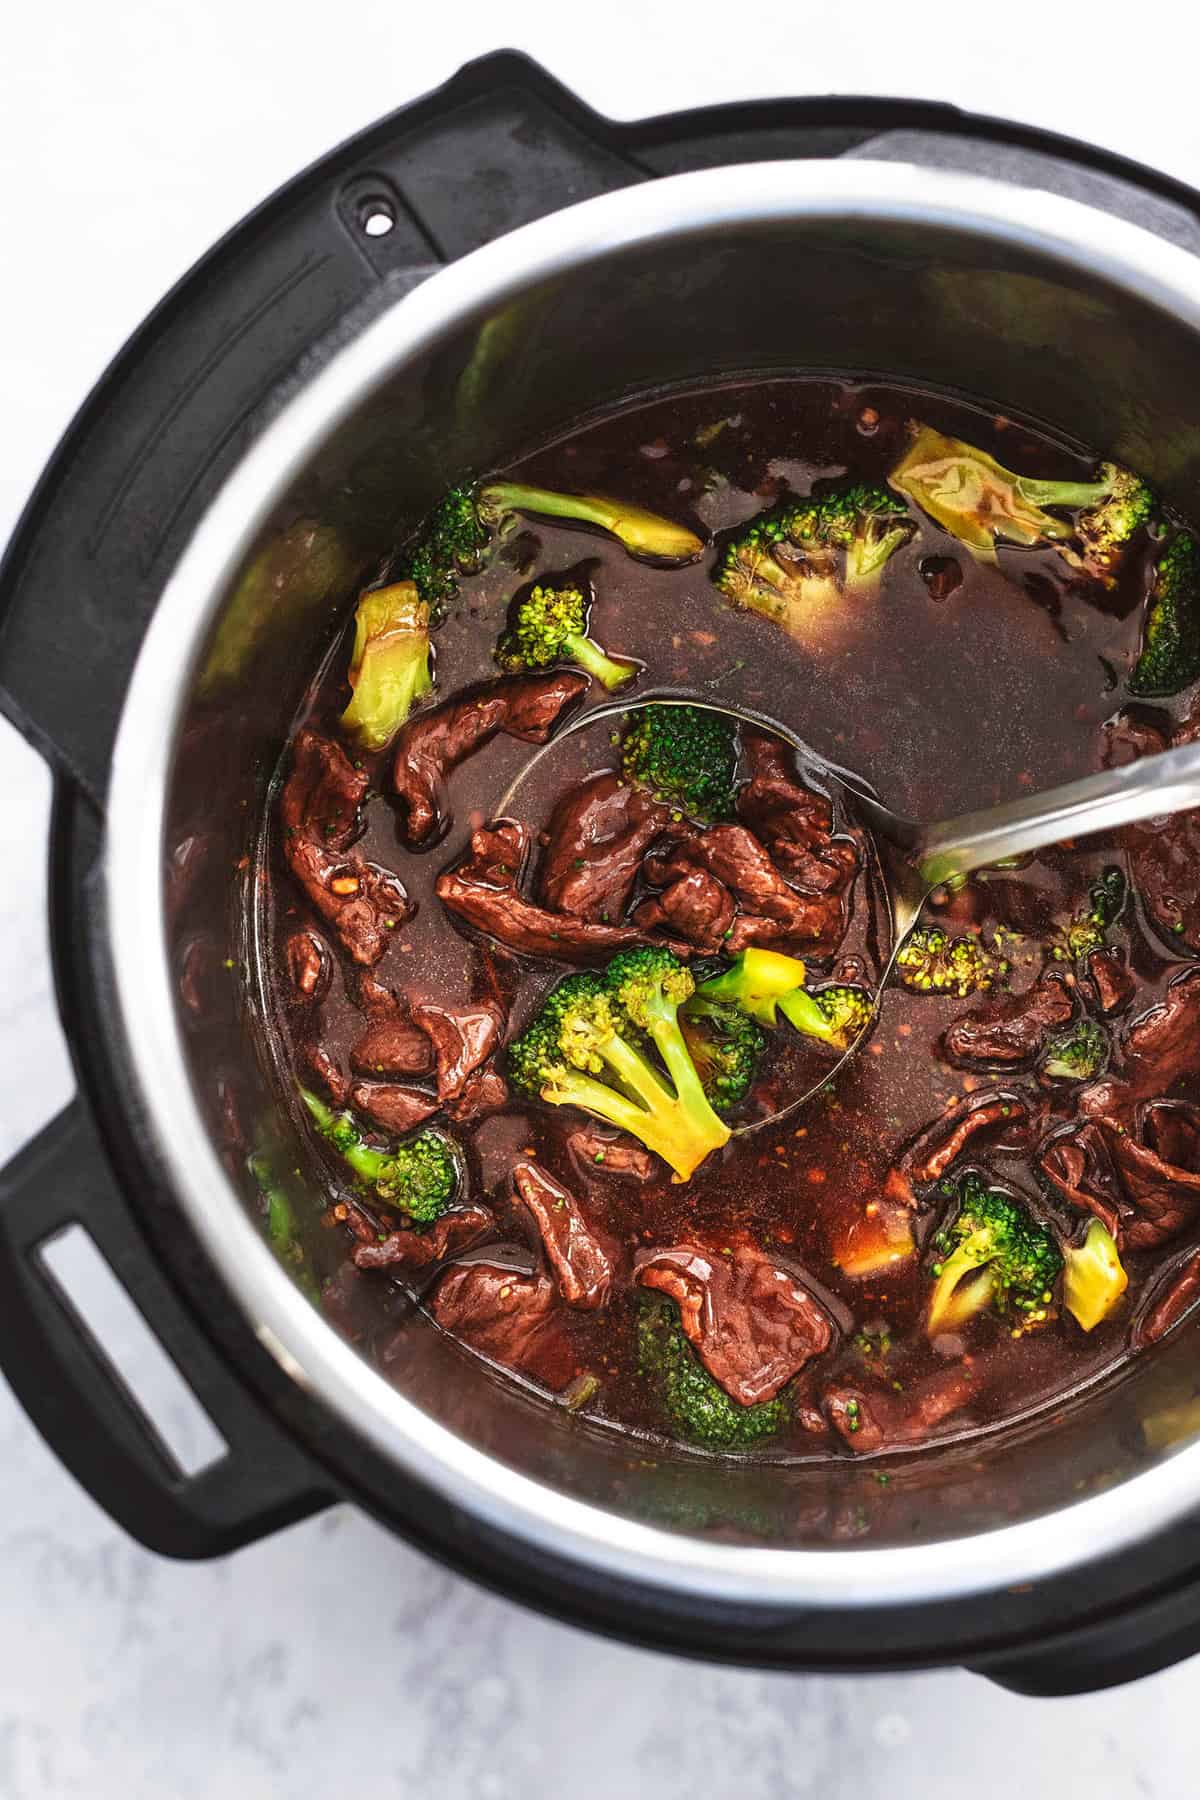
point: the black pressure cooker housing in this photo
(500, 145)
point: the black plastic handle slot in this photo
(75, 1395)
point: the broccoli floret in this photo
(1170, 654)
(1094, 1279)
(697, 1406)
(1106, 529)
(389, 665)
(1088, 930)
(836, 1013)
(1079, 1053)
(725, 1046)
(755, 982)
(548, 624)
(784, 563)
(995, 1254)
(593, 1025)
(978, 501)
(419, 1177)
(931, 962)
(643, 534)
(453, 541)
(685, 755)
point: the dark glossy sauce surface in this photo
(946, 697)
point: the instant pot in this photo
(459, 282)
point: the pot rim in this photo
(302, 1342)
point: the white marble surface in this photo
(334, 1659)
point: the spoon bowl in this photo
(913, 858)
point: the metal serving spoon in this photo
(913, 857)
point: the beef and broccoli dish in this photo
(554, 924)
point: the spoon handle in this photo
(1149, 788)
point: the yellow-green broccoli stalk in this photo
(980, 502)
(643, 534)
(389, 664)
(1094, 1279)
(419, 1176)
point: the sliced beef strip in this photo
(361, 902)
(596, 839)
(1111, 980)
(580, 1262)
(513, 1319)
(463, 1038)
(794, 823)
(454, 1232)
(391, 1044)
(484, 1091)
(1008, 1033)
(323, 794)
(482, 892)
(1163, 1044)
(310, 965)
(320, 1062)
(1164, 853)
(753, 1323)
(434, 743)
(1140, 1176)
(695, 907)
(613, 1156)
(773, 912)
(872, 1418)
(1173, 1296)
(396, 1107)
(934, 1150)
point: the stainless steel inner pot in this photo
(1035, 303)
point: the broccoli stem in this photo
(610, 671)
(954, 1299)
(801, 1010)
(642, 533)
(1094, 1279)
(343, 1134)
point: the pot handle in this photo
(72, 1390)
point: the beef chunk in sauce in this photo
(753, 1323)
(483, 893)
(871, 1417)
(581, 1264)
(1008, 1033)
(434, 743)
(1164, 854)
(463, 1039)
(310, 965)
(1140, 1176)
(693, 905)
(1171, 1298)
(794, 823)
(513, 1319)
(611, 1156)
(393, 1105)
(458, 1230)
(982, 1117)
(362, 903)
(773, 912)
(391, 1044)
(596, 839)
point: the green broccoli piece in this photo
(697, 1406)
(972, 496)
(836, 1013)
(644, 534)
(419, 1177)
(756, 982)
(453, 541)
(279, 1218)
(1106, 529)
(1170, 654)
(548, 624)
(389, 665)
(784, 563)
(1094, 1279)
(931, 962)
(593, 1025)
(995, 1254)
(725, 1046)
(1079, 1053)
(1088, 930)
(685, 755)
